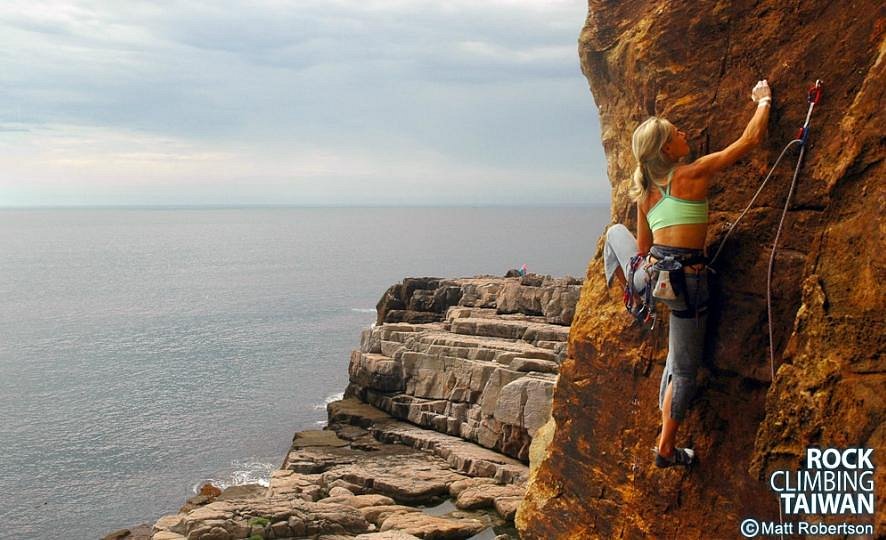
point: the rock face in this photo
(695, 62)
(478, 358)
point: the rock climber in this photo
(672, 219)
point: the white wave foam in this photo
(327, 400)
(244, 472)
(363, 310)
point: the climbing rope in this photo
(802, 136)
(750, 204)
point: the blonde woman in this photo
(672, 222)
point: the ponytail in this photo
(639, 185)
(652, 165)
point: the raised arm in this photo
(706, 166)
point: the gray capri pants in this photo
(685, 336)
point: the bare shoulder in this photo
(690, 181)
(695, 175)
(697, 171)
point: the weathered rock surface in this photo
(694, 62)
(464, 457)
(425, 300)
(484, 370)
(141, 532)
(425, 526)
(360, 478)
(283, 517)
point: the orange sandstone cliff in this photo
(695, 62)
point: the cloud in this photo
(277, 90)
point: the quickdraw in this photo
(642, 310)
(813, 98)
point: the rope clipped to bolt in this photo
(813, 97)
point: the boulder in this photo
(457, 487)
(168, 535)
(485, 495)
(517, 298)
(534, 364)
(507, 506)
(243, 491)
(140, 532)
(336, 492)
(360, 501)
(425, 526)
(209, 490)
(387, 535)
(377, 514)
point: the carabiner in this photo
(815, 92)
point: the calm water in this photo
(144, 351)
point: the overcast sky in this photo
(325, 102)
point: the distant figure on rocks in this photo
(668, 257)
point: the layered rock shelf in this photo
(480, 372)
(431, 439)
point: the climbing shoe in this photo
(682, 456)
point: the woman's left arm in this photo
(644, 233)
(707, 166)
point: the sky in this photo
(275, 102)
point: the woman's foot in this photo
(682, 456)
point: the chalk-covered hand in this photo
(761, 93)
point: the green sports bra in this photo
(670, 211)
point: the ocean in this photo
(145, 351)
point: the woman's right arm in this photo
(706, 166)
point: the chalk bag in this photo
(669, 284)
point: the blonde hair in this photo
(652, 165)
